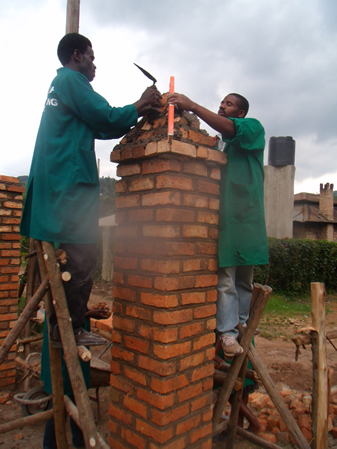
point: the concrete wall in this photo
(279, 200)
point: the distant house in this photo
(315, 216)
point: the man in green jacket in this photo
(63, 186)
(242, 229)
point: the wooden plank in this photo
(320, 371)
(27, 421)
(73, 16)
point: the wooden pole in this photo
(27, 421)
(69, 347)
(55, 368)
(73, 16)
(320, 370)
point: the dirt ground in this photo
(277, 355)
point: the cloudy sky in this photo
(280, 54)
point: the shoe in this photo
(230, 346)
(82, 338)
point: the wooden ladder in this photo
(51, 288)
(235, 380)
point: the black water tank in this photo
(281, 151)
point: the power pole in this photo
(73, 16)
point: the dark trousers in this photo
(49, 440)
(81, 264)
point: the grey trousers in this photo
(235, 286)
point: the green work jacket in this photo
(63, 186)
(242, 228)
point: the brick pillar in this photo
(326, 202)
(10, 213)
(164, 286)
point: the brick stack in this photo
(164, 285)
(10, 213)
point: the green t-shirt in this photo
(242, 228)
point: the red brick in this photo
(200, 433)
(11, 220)
(120, 186)
(208, 280)
(167, 417)
(121, 384)
(116, 337)
(205, 340)
(161, 436)
(213, 265)
(132, 438)
(174, 283)
(157, 166)
(115, 367)
(202, 401)
(193, 298)
(122, 354)
(5, 245)
(194, 265)
(135, 406)
(213, 233)
(183, 148)
(141, 215)
(172, 350)
(211, 296)
(207, 248)
(128, 170)
(190, 330)
(161, 231)
(124, 293)
(123, 324)
(178, 443)
(195, 231)
(9, 253)
(161, 198)
(174, 182)
(135, 375)
(17, 213)
(176, 317)
(207, 217)
(161, 368)
(195, 201)
(9, 179)
(202, 372)
(120, 414)
(162, 402)
(161, 266)
(192, 361)
(215, 173)
(195, 168)
(200, 138)
(11, 236)
(188, 424)
(204, 311)
(141, 247)
(136, 344)
(190, 392)
(141, 184)
(176, 215)
(118, 278)
(139, 312)
(139, 281)
(164, 386)
(175, 249)
(126, 232)
(160, 301)
(127, 201)
(166, 335)
(138, 151)
(214, 204)
(8, 270)
(11, 205)
(125, 263)
(6, 228)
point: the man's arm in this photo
(221, 124)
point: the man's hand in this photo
(148, 100)
(181, 101)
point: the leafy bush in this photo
(295, 263)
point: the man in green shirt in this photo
(63, 186)
(242, 229)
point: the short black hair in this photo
(69, 43)
(243, 102)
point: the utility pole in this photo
(73, 16)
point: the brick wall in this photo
(164, 286)
(10, 213)
(326, 201)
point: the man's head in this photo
(234, 105)
(75, 52)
